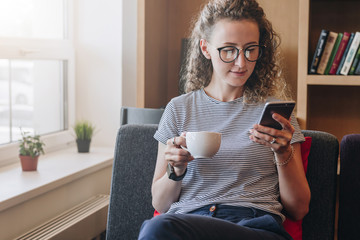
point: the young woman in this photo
(257, 175)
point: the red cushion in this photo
(294, 228)
(156, 213)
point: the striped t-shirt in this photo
(242, 173)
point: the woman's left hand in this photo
(278, 140)
(294, 189)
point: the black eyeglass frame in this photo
(261, 47)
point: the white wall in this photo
(103, 59)
(129, 57)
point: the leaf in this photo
(84, 130)
(31, 145)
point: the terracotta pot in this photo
(29, 163)
(83, 145)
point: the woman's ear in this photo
(204, 48)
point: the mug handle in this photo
(184, 148)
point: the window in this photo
(36, 68)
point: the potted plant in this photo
(30, 149)
(84, 131)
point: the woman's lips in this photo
(239, 73)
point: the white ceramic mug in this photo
(203, 144)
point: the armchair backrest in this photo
(322, 177)
(134, 164)
(130, 196)
(349, 185)
(133, 115)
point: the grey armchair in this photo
(134, 164)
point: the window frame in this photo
(46, 49)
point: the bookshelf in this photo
(326, 102)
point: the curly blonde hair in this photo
(266, 79)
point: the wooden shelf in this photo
(337, 80)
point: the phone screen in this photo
(283, 108)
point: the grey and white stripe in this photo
(242, 173)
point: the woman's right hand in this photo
(177, 156)
(164, 190)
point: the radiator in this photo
(84, 221)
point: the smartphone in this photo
(284, 108)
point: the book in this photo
(355, 62)
(318, 51)
(351, 54)
(345, 53)
(333, 53)
(329, 45)
(340, 52)
(357, 70)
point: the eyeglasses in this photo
(252, 53)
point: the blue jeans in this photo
(215, 222)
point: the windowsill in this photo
(54, 169)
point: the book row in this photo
(336, 54)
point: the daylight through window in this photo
(34, 59)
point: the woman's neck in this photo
(223, 94)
